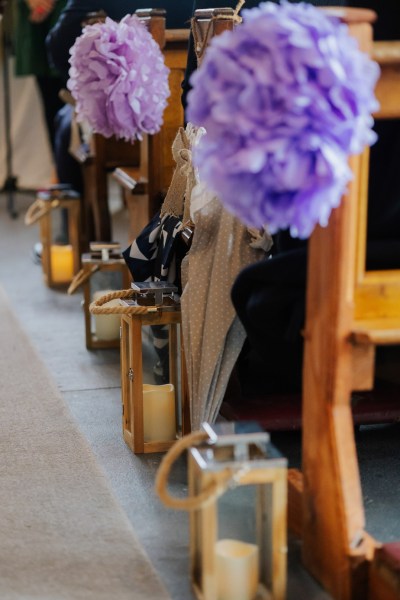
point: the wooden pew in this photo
(98, 159)
(349, 312)
(102, 159)
(144, 195)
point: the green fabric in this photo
(29, 39)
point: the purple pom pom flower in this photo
(285, 98)
(118, 79)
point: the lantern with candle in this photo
(155, 408)
(103, 270)
(60, 262)
(233, 469)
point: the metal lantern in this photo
(237, 456)
(103, 269)
(155, 406)
(60, 261)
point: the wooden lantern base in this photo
(132, 376)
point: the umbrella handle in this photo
(207, 496)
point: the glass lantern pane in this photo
(105, 327)
(161, 382)
(237, 514)
(237, 553)
(59, 226)
(61, 252)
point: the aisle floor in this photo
(90, 384)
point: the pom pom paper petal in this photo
(285, 98)
(118, 79)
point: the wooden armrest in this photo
(177, 35)
(376, 331)
(131, 180)
(386, 53)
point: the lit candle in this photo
(107, 327)
(62, 263)
(237, 570)
(159, 422)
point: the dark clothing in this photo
(269, 298)
(49, 88)
(30, 48)
(31, 59)
(69, 26)
(386, 27)
(68, 169)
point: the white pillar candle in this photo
(61, 263)
(237, 570)
(107, 327)
(159, 422)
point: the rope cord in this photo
(190, 503)
(81, 277)
(97, 308)
(39, 209)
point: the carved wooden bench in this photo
(143, 169)
(145, 189)
(349, 312)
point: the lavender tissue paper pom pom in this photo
(118, 79)
(285, 98)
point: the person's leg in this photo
(49, 88)
(269, 298)
(68, 169)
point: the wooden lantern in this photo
(153, 416)
(60, 262)
(238, 454)
(101, 331)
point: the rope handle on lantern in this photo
(38, 209)
(190, 503)
(81, 277)
(97, 308)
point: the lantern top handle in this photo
(228, 433)
(240, 435)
